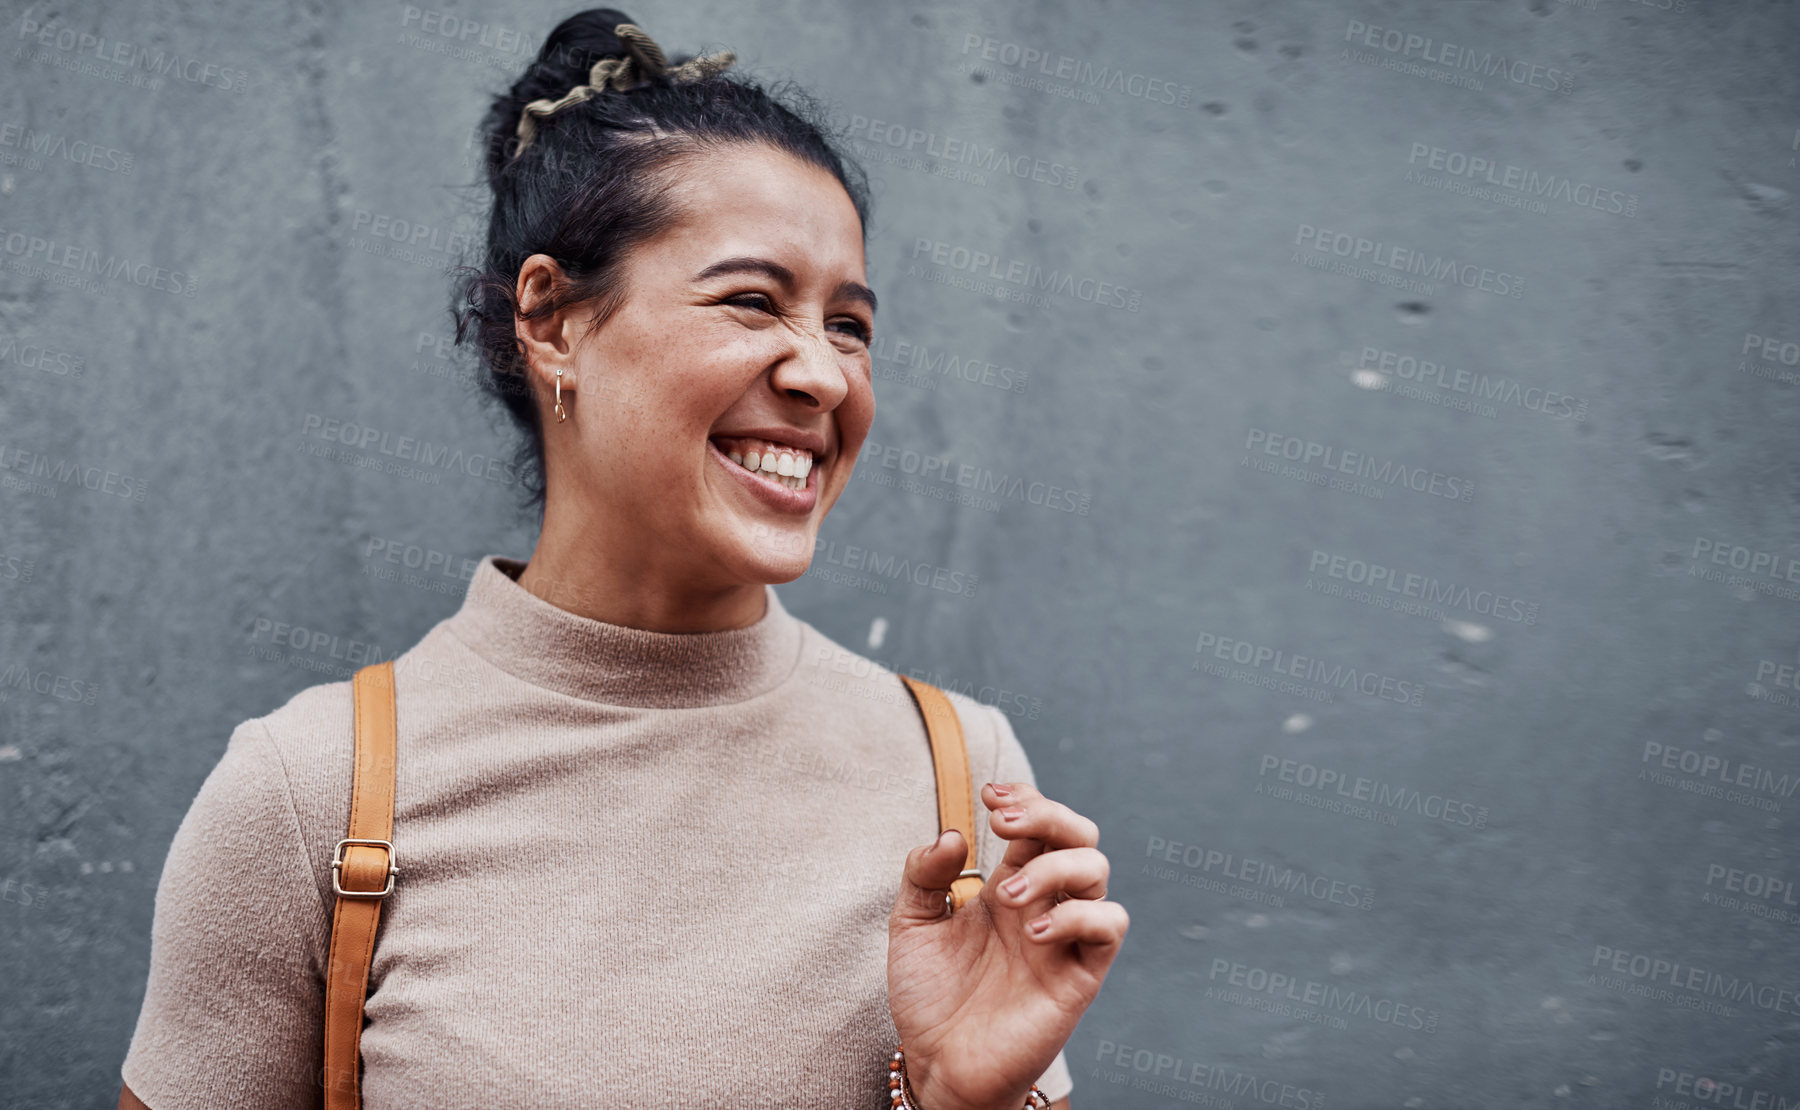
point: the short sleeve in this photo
(1012, 765)
(234, 1004)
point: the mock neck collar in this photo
(540, 643)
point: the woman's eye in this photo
(762, 302)
(854, 327)
(758, 301)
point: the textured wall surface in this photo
(1371, 439)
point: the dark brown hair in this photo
(588, 189)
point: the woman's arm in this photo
(234, 999)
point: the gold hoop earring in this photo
(562, 414)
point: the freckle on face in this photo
(697, 367)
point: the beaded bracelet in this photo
(901, 1093)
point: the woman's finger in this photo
(1075, 872)
(1033, 824)
(926, 878)
(1098, 926)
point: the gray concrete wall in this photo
(1512, 755)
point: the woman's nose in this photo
(813, 368)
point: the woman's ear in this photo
(547, 339)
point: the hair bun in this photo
(564, 61)
(570, 52)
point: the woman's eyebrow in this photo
(850, 290)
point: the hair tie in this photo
(643, 63)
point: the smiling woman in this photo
(610, 893)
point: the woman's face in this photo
(744, 328)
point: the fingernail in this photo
(1039, 924)
(1014, 886)
(1012, 813)
(999, 790)
(943, 838)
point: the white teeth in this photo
(775, 462)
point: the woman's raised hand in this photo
(983, 999)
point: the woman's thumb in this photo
(925, 882)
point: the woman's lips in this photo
(798, 502)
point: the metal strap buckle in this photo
(949, 901)
(337, 869)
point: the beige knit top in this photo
(637, 870)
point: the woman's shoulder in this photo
(285, 778)
(981, 706)
(311, 731)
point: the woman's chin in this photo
(777, 571)
(774, 556)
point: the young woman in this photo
(660, 842)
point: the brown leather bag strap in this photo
(955, 791)
(362, 875)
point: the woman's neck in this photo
(593, 582)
